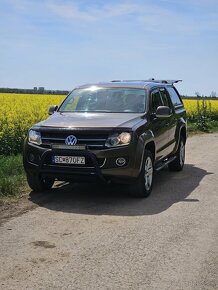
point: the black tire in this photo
(142, 187)
(178, 163)
(36, 183)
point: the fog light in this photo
(120, 161)
(31, 157)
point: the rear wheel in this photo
(143, 185)
(178, 163)
(36, 183)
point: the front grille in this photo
(91, 140)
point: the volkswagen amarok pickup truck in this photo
(119, 131)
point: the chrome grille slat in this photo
(92, 140)
(50, 138)
(98, 145)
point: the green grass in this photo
(195, 127)
(12, 176)
(204, 119)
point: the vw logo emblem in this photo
(71, 140)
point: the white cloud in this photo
(73, 12)
(162, 20)
(151, 17)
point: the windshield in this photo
(111, 100)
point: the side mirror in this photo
(52, 109)
(163, 112)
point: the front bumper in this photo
(100, 164)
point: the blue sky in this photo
(60, 44)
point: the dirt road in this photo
(88, 237)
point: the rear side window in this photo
(156, 101)
(165, 98)
(174, 97)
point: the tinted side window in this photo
(165, 98)
(174, 97)
(156, 101)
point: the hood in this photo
(92, 120)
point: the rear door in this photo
(178, 110)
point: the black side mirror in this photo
(52, 109)
(163, 112)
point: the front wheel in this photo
(178, 163)
(36, 183)
(143, 185)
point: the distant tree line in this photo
(212, 96)
(35, 90)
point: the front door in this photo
(159, 126)
(172, 121)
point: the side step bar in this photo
(162, 164)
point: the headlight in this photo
(35, 137)
(118, 139)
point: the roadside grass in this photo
(195, 128)
(204, 118)
(12, 177)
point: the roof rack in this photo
(150, 81)
(164, 81)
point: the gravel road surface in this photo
(92, 237)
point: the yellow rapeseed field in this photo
(18, 112)
(191, 106)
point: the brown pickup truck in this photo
(119, 131)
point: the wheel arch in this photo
(145, 141)
(181, 131)
(151, 147)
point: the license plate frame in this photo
(71, 160)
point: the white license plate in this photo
(68, 159)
